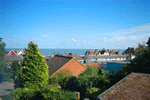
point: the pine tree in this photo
(35, 74)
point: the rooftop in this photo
(135, 86)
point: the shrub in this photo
(23, 94)
(93, 92)
(63, 78)
(49, 92)
(53, 93)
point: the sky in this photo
(75, 24)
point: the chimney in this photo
(17, 50)
(85, 61)
(118, 52)
(76, 54)
(54, 54)
(130, 55)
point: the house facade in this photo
(106, 58)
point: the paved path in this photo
(5, 88)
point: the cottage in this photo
(12, 52)
(21, 52)
(70, 64)
(135, 86)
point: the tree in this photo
(35, 74)
(16, 69)
(148, 42)
(5, 71)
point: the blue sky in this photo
(80, 24)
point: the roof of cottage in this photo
(13, 58)
(134, 86)
(57, 62)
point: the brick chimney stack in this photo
(130, 55)
(17, 51)
(118, 52)
(85, 61)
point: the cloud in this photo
(142, 29)
(44, 35)
(73, 40)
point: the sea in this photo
(61, 51)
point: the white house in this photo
(21, 52)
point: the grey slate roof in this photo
(13, 58)
(57, 62)
(109, 56)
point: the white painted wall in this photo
(106, 53)
(20, 53)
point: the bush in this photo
(53, 93)
(93, 92)
(49, 92)
(63, 78)
(23, 94)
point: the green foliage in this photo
(16, 68)
(23, 94)
(92, 77)
(53, 93)
(88, 78)
(49, 92)
(93, 92)
(6, 73)
(35, 74)
(63, 78)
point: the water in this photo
(61, 51)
